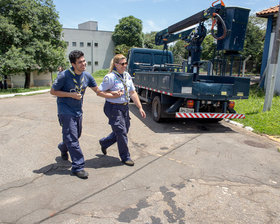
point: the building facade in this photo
(97, 46)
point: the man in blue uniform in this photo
(117, 109)
(69, 87)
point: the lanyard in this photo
(124, 81)
(79, 88)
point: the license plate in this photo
(186, 110)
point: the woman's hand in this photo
(117, 93)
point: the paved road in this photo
(185, 171)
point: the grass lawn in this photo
(262, 122)
(99, 75)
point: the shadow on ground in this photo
(62, 167)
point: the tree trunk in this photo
(5, 82)
(27, 79)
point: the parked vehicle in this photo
(179, 90)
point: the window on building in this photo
(88, 44)
(74, 44)
(89, 63)
(96, 62)
(81, 44)
(96, 44)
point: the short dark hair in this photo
(74, 55)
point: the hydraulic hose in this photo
(216, 15)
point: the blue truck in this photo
(180, 90)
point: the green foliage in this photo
(149, 41)
(179, 51)
(30, 37)
(122, 49)
(128, 32)
(262, 122)
(254, 42)
(208, 47)
(99, 75)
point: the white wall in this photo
(36, 79)
(101, 54)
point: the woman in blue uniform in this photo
(117, 109)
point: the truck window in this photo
(162, 58)
(143, 58)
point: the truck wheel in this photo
(157, 109)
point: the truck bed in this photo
(180, 84)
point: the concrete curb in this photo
(24, 94)
(274, 138)
(239, 125)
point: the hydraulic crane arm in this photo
(167, 35)
(231, 23)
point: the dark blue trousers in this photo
(119, 120)
(71, 132)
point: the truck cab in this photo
(140, 59)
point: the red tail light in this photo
(231, 104)
(190, 103)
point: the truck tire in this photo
(157, 109)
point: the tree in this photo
(122, 49)
(30, 37)
(254, 41)
(179, 51)
(208, 47)
(128, 32)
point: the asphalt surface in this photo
(185, 171)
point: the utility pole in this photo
(272, 69)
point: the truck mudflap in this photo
(210, 115)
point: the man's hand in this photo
(108, 93)
(76, 96)
(117, 93)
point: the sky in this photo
(155, 15)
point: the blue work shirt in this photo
(112, 82)
(68, 82)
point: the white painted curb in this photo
(24, 94)
(239, 125)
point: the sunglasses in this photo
(122, 64)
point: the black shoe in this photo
(81, 174)
(128, 162)
(64, 155)
(103, 149)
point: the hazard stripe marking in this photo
(210, 115)
(155, 90)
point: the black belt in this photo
(118, 103)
